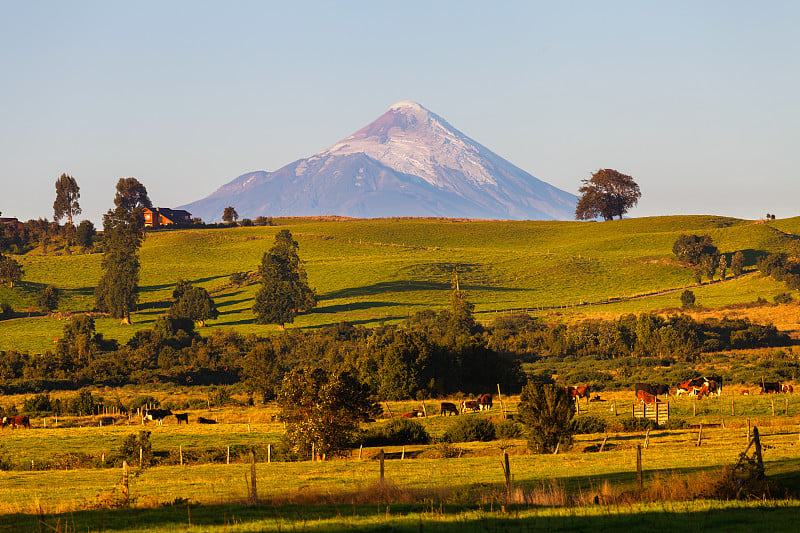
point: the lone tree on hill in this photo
(547, 410)
(230, 214)
(67, 195)
(10, 271)
(123, 231)
(606, 194)
(284, 285)
(322, 410)
(195, 304)
(48, 299)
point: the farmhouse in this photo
(11, 223)
(163, 216)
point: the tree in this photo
(284, 286)
(692, 248)
(708, 264)
(84, 235)
(123, 231)
(48, 299)
(547, 411)
(67, 195)
(262, 371)
(722, 268)
(195, 304)
(230, 214)
(687, 299)
(462, 318)
(10, 271)
(608, 193)
(737, 263)
(322, 410)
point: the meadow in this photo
(380, 271)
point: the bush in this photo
(508, 429)
(129, 450)
(398, 432)
(6, 311)
(676, 423)
(687, 299)
(470, 428)
(441, 450)
(783, 298)
(588, 424)
(637, 424)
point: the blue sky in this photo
(697, 100)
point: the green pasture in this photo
(374, 271)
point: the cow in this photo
(448, 408)
(770, 387)
(655, 390)
(571, 391)
(469, 404)
(583, 391)
(157, 415)
(485, 402)
(645, 397)
(596, 398)
(201, 420)
(787, 388)
(745, 392)
(15, 421)
(414, 413)
(182, 417)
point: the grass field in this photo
(374, 271)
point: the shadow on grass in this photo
(352, 306)
(408, 286)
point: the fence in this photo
(658, 412)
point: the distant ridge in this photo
(410, 163)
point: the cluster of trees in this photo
(782, 268)
(700, 252)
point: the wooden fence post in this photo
(772, 402)
(647, 438)
(228, 460)
(424, 411)
(694, 408)
(614, 407)
(602, 446)
(180, 450)
(253, 489)
(500, 399)
(313, 452)
(700, 436)
(269, 453)
(125, 482)
(140, 456)
(787, 406)
(733, 408)
(748, 430)
(360, 449)
(507, 474)
(380, 457)
(389, 409)
(639, 465)
(757, 441)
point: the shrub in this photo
(508, 429)
(6, 311)
(129, 450)
(676, 423)
(38, 404)
(687, 299)
(547, 411)
(399, 431)
(637, 424)
(783, 298)
(470, 428)
(441, 450)
(588, 424)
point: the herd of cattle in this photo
(158, 416)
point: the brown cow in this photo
(182, 417)
(448, 408)
(469, 404)
(15, 421)
(414, 413)
(485, 402)
(583, 391)
(745, 392)
(645, 397)
(787, 388)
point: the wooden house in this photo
(157, 217)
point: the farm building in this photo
(12, 223)
(163, 216)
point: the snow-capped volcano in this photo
(408, 162)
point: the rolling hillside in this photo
(375, 270)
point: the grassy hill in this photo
(371, 271)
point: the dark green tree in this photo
(462, 310)
(722, 267)
(229, 214)
(692, 248)
(262, 371)
(708, 264)
(84, 235)
(123, 231)
(547, 411)
(195, 304)
(284, 288)
(608, 193)
(10, 271)
(67, 195)
(737, 263)
(322, 409)
(687, 299)
(48, 299)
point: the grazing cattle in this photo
(447, 409)
(745, 392)
(645, 397)
(201, 420)
(655, 390)
(157, 415)
(485, 402)
(182, 417)
(15, 421)
(771, 387)
(693, 386)
(469, 404)
(571, 391)
(596, 398)
(414, 413)
(786, 388)
(583, 391)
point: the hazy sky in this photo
(699, 101)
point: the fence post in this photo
(639, 465)
(403, 454)
(313, 452)
(647, 437)
(694, 408)
(614, 407)
(733, 408)
(180, 450)
(787, 406)
(700, 436)
(757, 441)
(380, 457)
(748, 430)
(500, 399)
(602, 446)
(140, 456)
(507, 474)
(424, 411)
(269, 453)
(360, 449)
(228, 460)
(125, 482)
(389, 409)
(253, 489)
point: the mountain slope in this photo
(408, 162)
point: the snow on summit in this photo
(408, 162)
